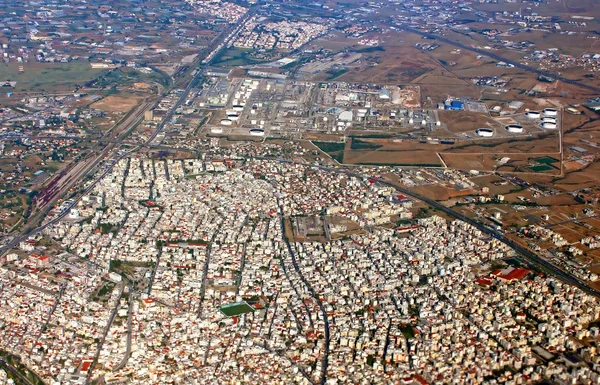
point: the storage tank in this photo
(226, 122)
(550, 112)
(216, 130)
(485, 132)
(257, 132)
(514, 128)
(548, 119)
(549, 125)
(533, 114)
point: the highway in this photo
(524, 253)
(226, 34)
(492, 55)
(15, 372)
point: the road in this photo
(15, 372)
(492, 55)
(129, 331)
(226, 35)
(111, 319)
(325, 361)
(571, 220)
(525, 254)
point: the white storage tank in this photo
(533, 114)
(514, 128)
(550, 112)
(485, 132)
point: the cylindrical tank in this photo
(485, 132)
(514, 128)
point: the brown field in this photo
(470, 162)
(488, 181)
(407, 158)
(461, 121)
(440, 192)
(489, 162)
(587, 177)
(113, 103)
(548, 145)
(394, 152)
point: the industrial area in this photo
(279, 108)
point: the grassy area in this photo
(546, 160)
(122, 75)
(48, 77)
(335, 73)
(376, 48)
(408, 331)
(333, 149)
(540, 168)
(234, 57)
(236, 309)
(357, 144)
(329, 146)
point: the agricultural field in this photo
(48, 77)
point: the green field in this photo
(48, 77)
(334, 149)
(234, 57)
(237, 308)
(357, 144)
(540, 168)
(546, 160)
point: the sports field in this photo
(237, 308)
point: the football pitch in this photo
(237, 308)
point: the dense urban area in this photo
(293, 192)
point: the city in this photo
(209, 191)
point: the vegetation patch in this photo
(357, 144)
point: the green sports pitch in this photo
(237, 308)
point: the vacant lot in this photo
(394, 158)
(462, 121)
(114, 103)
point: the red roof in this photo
(484, 281)
(516, 274)
(86, 366)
